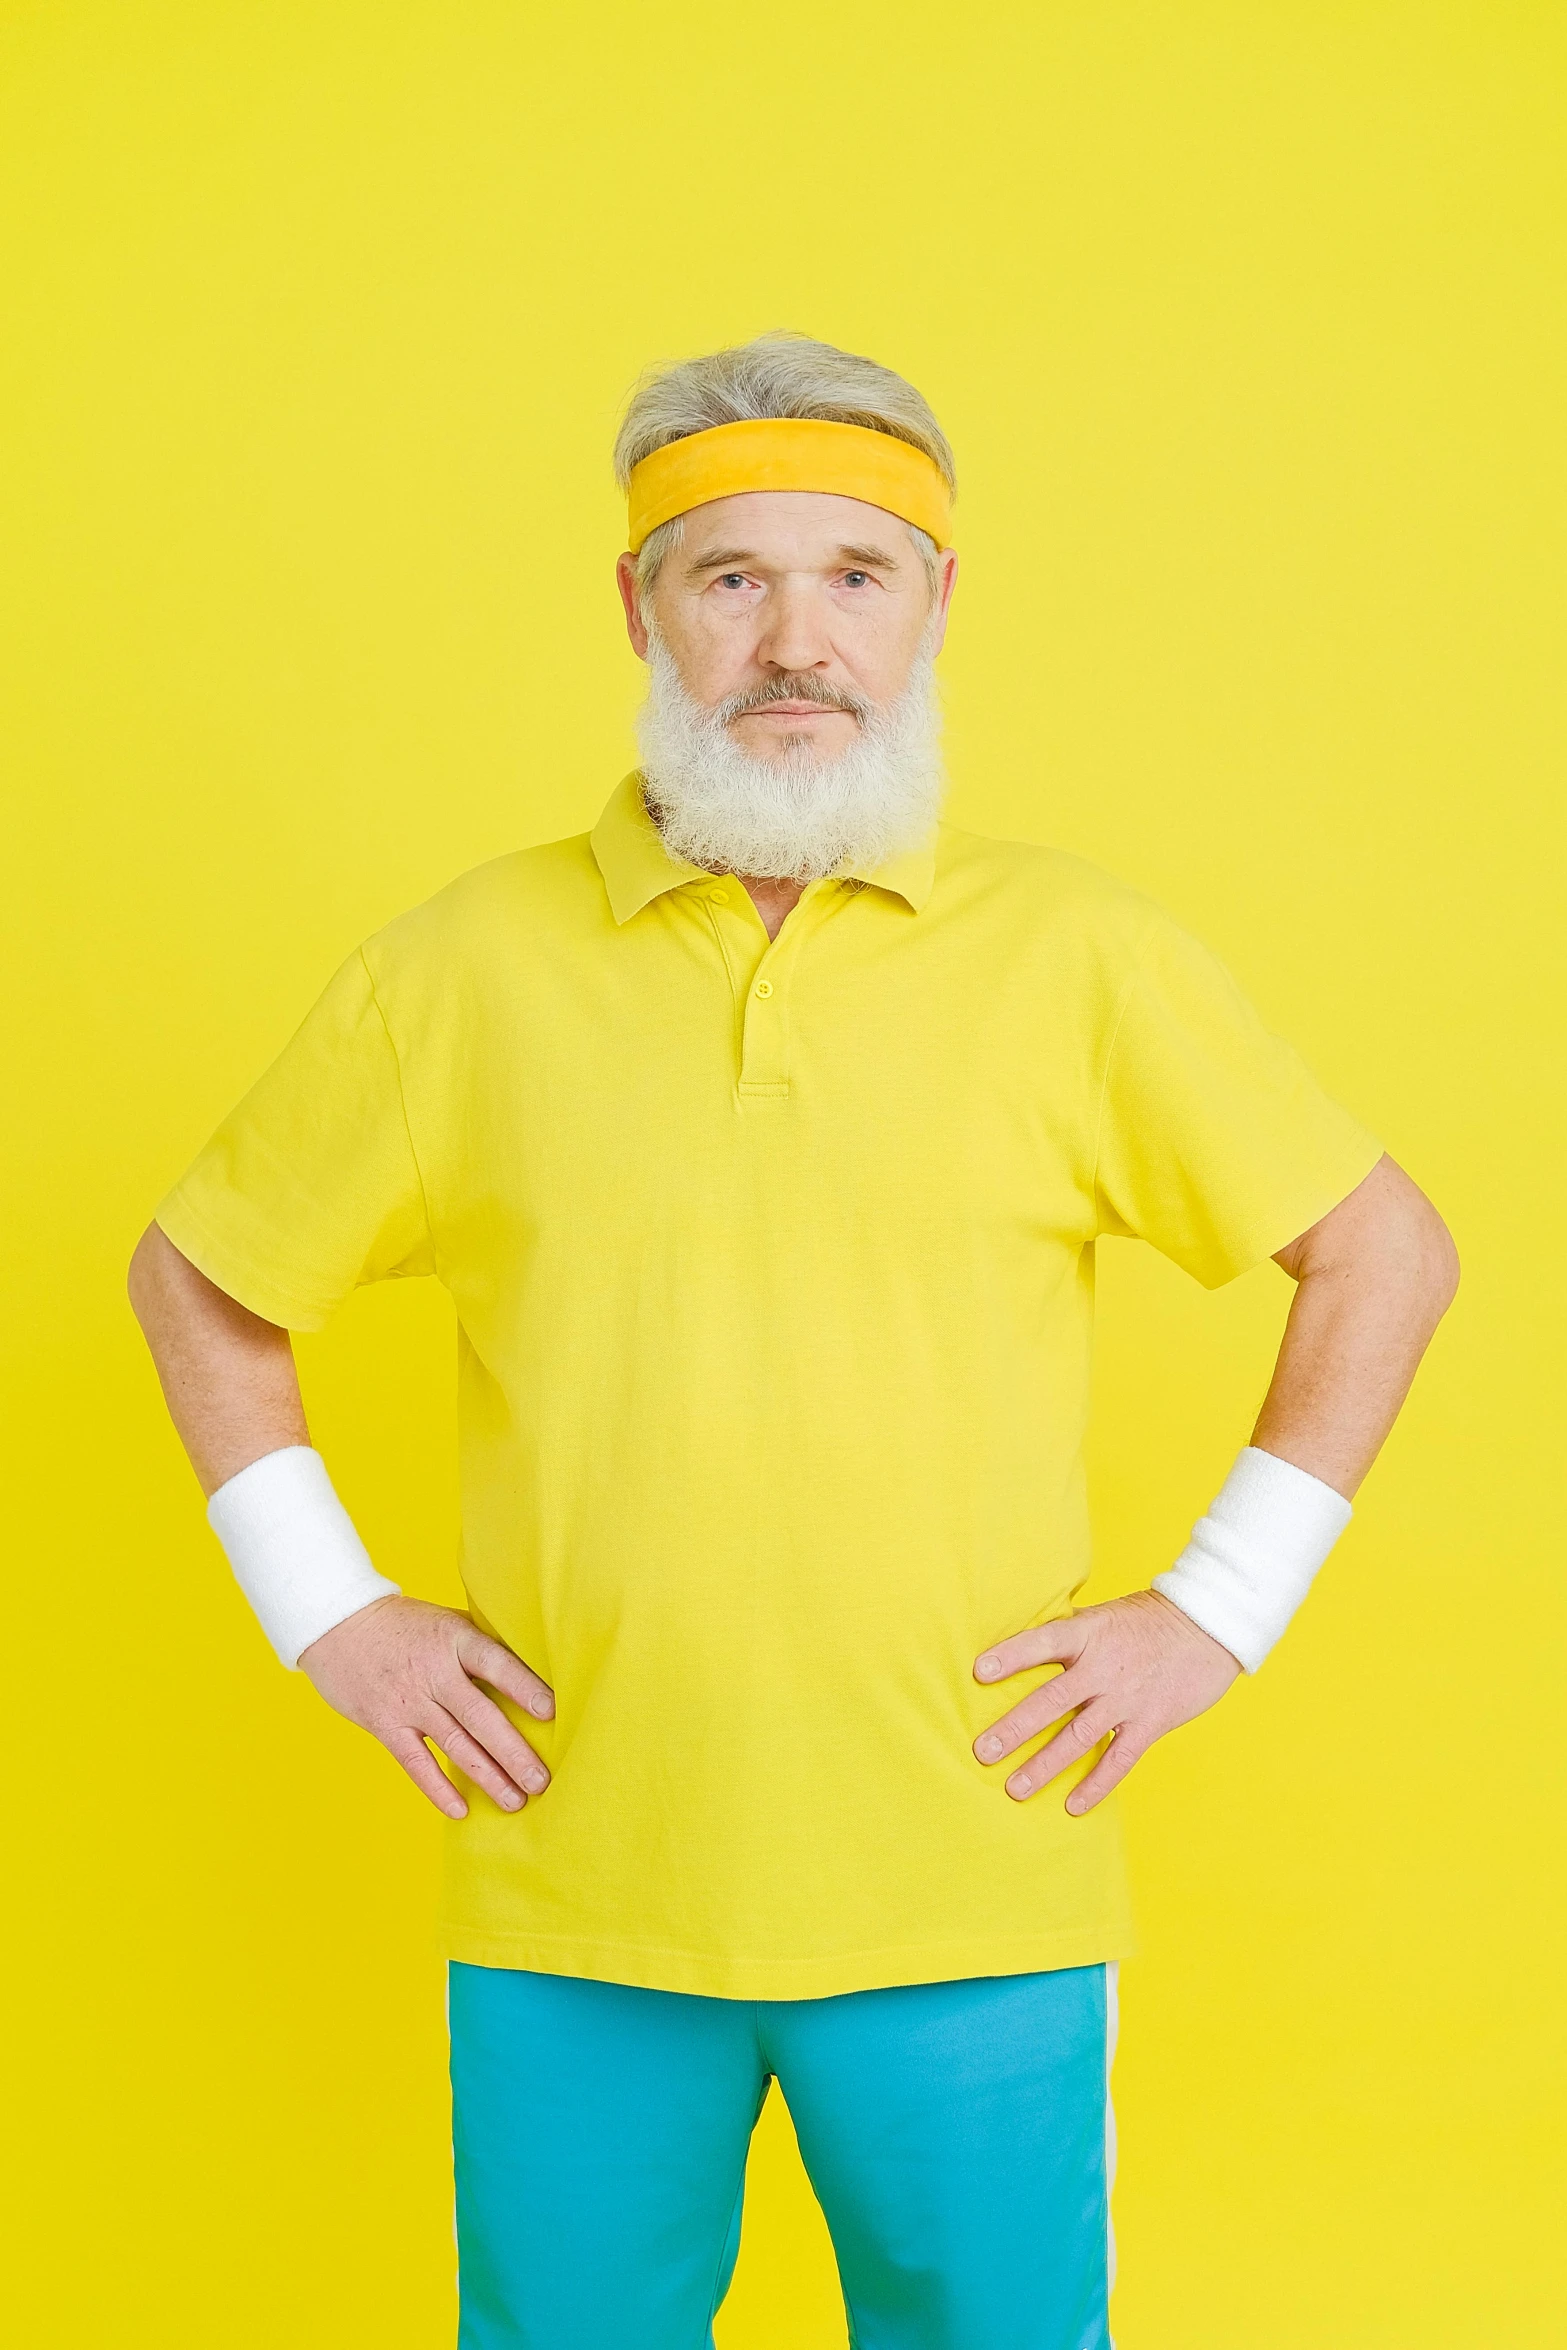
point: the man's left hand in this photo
(1134, 1668)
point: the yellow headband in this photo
(789, 453)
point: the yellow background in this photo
(1247, 323)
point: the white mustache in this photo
(807, 688)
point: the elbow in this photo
(142, 1284)
(1430, 1258)
(1386, 1238)
(1444, 1268)
(1422, 1248)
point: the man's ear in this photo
(946, 581)
(626, 581)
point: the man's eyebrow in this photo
(727, 559)
(741, 558)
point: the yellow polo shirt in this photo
(773, 1268)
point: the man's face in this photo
(782, 589)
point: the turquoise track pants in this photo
(955, 2134)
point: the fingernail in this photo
(990, 1748)
(1076, 1805)
(543, 1707)
(537, 1780)
(988, 1667)
(512, 1800)
(1017, 1785)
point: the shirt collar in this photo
(629, 847)
(911, 875)
(637, 867)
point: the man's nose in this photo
(795, 635)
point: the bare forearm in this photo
(228, 1377)
(1375, 1278)
(405, 1671)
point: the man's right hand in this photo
(406, 1672)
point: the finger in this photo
(1059, 1642)
(410, 1750)
(492, 1661)
(1068, 1746)
(488, 1727)
(1032, 1713)
(464, 1751)
(1118, 1758)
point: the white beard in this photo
(793, 817)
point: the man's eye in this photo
(855, 578)
(732, 579)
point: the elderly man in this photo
(762, 1138)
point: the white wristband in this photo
(1251, 1560)
(293, 1548)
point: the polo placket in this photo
(761, 982)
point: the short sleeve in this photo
(310, 1187)
(1216, 1144)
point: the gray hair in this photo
(777, 375)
